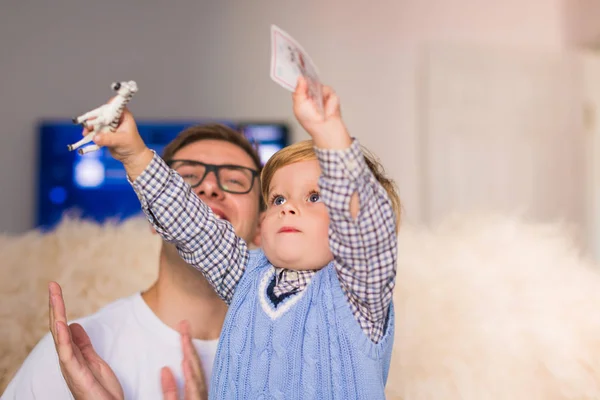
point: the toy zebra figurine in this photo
(104, 117)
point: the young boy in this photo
(310, 315)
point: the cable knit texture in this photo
(308, 347)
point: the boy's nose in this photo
(288, 208)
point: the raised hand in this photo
(328, 130)
(87, 375)
(195, 384)
(125, 145)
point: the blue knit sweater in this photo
(306, 346)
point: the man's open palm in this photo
(88, 376)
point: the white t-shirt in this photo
(130, 338)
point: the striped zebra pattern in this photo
(115, 122)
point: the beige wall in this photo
(210, 59)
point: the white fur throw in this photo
(94, 265)
(486, 307)
(494, 308)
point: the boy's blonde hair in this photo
(304, 151)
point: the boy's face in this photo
(294, 231)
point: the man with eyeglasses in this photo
(137, 335)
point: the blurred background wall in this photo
(469, 104)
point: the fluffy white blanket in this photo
(487, 307)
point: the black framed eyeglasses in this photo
(230, 178)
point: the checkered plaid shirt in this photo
(364, 248)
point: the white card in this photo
(289, 61)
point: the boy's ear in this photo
(256, 241)
(153, 230)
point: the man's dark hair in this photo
(213, 132)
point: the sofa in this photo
(486, 306)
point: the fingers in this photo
(126, 133)
(168, 384)
(195, 384)
(331, 101)
(94, 371)
(332, 106)
(126, 116)
(56, 307)
(189, 350)
(105, 139)
(301, 84)
(109, 139)
(81, 339)
(329, 95)
(302, 96)
(64, 346)
(51, 320)
(191, 387)
(86, 128)
(301, 92)
(60, 331)
(126, 121)
(327, 92)
(84, 349)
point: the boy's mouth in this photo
(288, 229)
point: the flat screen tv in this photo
(94, 186)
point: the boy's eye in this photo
(278, 200)
(314, 198)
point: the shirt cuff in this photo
(348, 163)
(152, 181)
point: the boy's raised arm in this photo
(362, 230)
(362, 235)
(178, 215)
